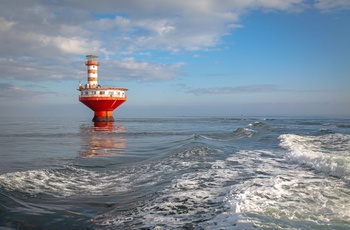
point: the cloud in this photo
(45, 40)
(235, 90)
(74, 27)
(130, 69)
(32, 69)
(327, 5)
(17, 40)
(11, 92)
(263, 88)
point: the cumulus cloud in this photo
(54, 31)
(26, 68)
(73, 27)
(130, 69)
(327, 5)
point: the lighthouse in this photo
(99, 99)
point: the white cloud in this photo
(166, 25)
(74, 45)
(5, 25)
(119, 22)
(32, 69)
(11, 92)
(327, 5)
(54, 30)
(130, 69)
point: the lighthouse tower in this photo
(99, 99)
(92, 63)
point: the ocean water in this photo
(175, 173)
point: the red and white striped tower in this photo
(92, 78)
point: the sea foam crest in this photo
(190, 200)
(328, 153)
(65, 182)
(282, 195)
(243, 132)
(247, 190)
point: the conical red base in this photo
(103, 116)
(102, 107)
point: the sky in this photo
(178, 57)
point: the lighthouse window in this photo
(94, 92)
(86, 92)
(102, 92)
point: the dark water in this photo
(175, 173)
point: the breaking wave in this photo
(179, 174)
(329, 153)
(247, 190)
(239, 133)
(69, 181)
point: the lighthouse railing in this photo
(103, 96)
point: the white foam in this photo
(328, 153)
(187, 198)
(64, 182)
(278, 194)
(289, 194)
(248, 189)
(197, 195)
(267, 193)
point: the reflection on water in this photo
(103, 139)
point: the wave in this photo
(69, 181)
(243, 133)
(325, 131)
(246, 190)
(239, 133)
(290, 198)
(73, 180)
(329, 153)
(193, 194)
(344, 126)
(259, 124)
(311, 123)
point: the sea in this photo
(175, 173)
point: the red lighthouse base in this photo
(103, 116)
(102, 106)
